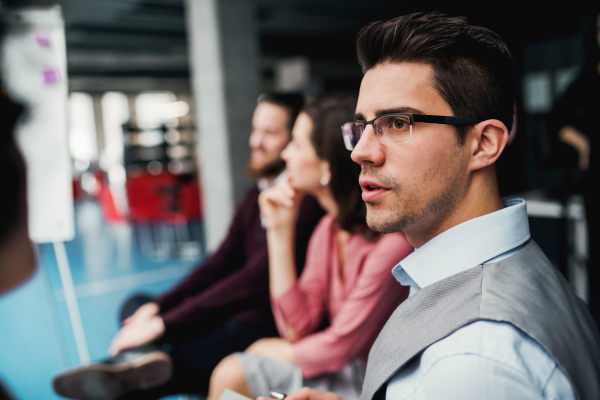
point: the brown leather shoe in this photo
(139, 368)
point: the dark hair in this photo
(292, 102)
(328, 113)
(472, 67)
(11, 165)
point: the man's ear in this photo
(487, 140)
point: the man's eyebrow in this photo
(396, 110)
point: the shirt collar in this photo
(466, 245)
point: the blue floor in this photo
(108, 265)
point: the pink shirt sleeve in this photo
(361, 317)
(301, 308)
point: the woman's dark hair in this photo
(472, 68)
(328, 113)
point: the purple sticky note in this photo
(51, 76)
(43, 41)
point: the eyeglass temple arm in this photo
(438, 119)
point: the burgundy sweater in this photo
(234, 281)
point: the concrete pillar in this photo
(224, 56)
(97, 103)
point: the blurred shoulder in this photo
(393, 244)
(250, 197)
(387, 250)
(321, 237)
(325, 226)
(390, 239)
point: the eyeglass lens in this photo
(352, 132)
(389, 129)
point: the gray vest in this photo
(523, 289)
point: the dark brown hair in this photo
(328, 113)
(473, 69)
(292, 102)
(11, 165)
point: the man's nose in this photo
(256, 139)
(368, 150)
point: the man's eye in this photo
(398, 123)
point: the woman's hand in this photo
(279, 205)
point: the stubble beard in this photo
(407, 209)
(272, 168)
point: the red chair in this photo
(166, 203)
(108, 207)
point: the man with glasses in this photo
(488, 316)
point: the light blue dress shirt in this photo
(486, 359)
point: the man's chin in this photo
(262, 170)
(385, 221)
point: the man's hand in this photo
(309, 394)
(275, 348)
(145, 312)
(579, 142)
(279, 205)
(137, 333)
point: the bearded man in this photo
(171, 344)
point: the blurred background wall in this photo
(135, 46)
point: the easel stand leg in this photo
(71, 299)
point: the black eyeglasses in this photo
(396, 128)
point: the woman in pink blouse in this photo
(347, 280)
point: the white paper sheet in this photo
(35, 74)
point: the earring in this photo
(324, 180)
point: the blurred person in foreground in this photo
(575, 118)
(171, 344)
(346, 278)
(17, 259)
(488, 316)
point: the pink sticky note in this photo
(51, 76)
(42, 40)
